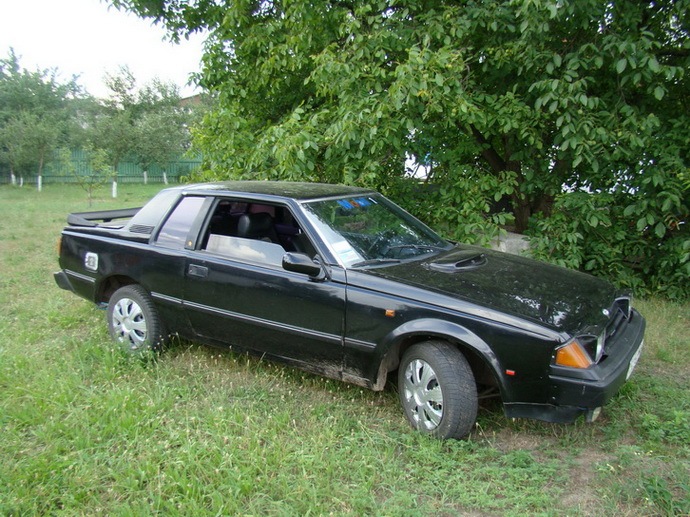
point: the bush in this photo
(638, 240)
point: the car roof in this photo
(301, 191)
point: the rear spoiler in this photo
(93, 219)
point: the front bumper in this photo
(575, 392)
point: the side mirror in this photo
(301, 263)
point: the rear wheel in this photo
(133, 320)
(437, 390)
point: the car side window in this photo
(254, 232)
(174, 232)
(249, 250)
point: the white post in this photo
(114, 188)
(40, 183)
(165, 177)
(146, 178)
(14, 178)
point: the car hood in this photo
(556, 297)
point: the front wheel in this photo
(437, 390)
(133, 321)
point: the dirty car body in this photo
(340, 281)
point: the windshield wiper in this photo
(417, 247)
(375, 262)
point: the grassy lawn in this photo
(86, 431)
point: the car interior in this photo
(258, 222)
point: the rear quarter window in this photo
(174, 232)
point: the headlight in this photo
(593, 345)
(573, 355)
(624, 303)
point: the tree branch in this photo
(495, 161)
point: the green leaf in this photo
(659, 93)
(660, 230)
(621, 65)
(654, 65)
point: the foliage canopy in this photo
(576, 110)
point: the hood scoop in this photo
(464, 260)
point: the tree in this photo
(34, 116)
(532, 100)
(93, 176)
(147, 123)
(162, 132)
(13, 150)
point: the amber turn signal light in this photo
(573, 356)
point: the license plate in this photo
(633, 361)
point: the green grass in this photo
(86, 431)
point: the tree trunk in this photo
(523, 209)
(522, 212)
(40, 172)
(544, 204)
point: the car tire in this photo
(437, 390)
(133, 321)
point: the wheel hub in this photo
(129, 323)
(423, 396)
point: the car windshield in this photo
(370, 230)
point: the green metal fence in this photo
(128, 171)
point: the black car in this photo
(340, 281)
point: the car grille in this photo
(619, 315)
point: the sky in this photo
(88, 38)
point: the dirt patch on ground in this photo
(507, 441)
(581, 492)
(582, 485)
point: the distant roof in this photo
(193, 100)
(285, 189)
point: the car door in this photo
(236, 292)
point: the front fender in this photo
(389, 351)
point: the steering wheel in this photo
(380, 241)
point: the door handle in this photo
(195, 270)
